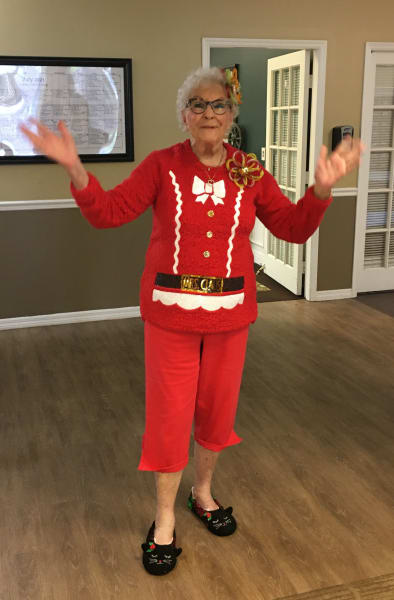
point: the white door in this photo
(374, 248)
(286, 140)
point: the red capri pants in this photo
(189, 376)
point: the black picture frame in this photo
(111, 77)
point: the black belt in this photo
(200, 284)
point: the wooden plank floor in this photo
(312, 484)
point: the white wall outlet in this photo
(262, 153)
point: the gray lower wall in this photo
(54, 261)
(335, 264)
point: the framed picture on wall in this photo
(93, 96)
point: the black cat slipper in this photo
(159, 559)
(219, 521)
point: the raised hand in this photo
(329, 169)
(58, 147)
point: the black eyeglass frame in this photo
(207, 103)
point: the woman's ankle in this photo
(204, 498)
(163, 537)
(164, 529)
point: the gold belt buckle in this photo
(198, 284)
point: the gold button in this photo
(211, 213)
(207, 254)
(209, 234)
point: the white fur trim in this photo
(177, 221)
(192, 301)
(234, 227)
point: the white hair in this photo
(204, 76)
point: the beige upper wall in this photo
(164, 41)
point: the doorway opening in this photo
(225, 51)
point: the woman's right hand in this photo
(60, 148)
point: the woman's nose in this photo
(209, 112)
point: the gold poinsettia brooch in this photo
(244, 169)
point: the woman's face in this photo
(208, 127)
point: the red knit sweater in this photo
(198, 231)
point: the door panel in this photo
(286, 141)
(375, 252)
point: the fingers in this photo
(350, 146)
(62, 127)
(329, 170)
(321, 161)
(323, 152)
(65, 132)
(345, 145)
(339, 166)
(346, 156)
(350, 150)
(44, 135)
(35, 139)
(327, 173)
(41, 128)
(358, 149)
(44, 130)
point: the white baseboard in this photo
(333, 294)
(71, 317)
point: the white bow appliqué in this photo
(202, 190)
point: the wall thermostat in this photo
(339, 132)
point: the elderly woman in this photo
(198, 290)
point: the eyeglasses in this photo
(199, 106)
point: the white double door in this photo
(286, 141)
(374, 247)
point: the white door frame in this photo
(319, 48)
(370, 49)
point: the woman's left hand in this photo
(345, 158)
